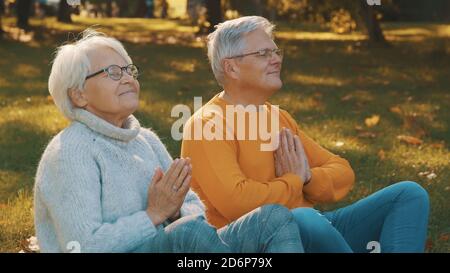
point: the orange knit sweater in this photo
(233, 177)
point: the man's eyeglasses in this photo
(115, 72)
(266, 53)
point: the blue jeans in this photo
(268, 229)
(395, 217)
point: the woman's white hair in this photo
(228, 40)
(71, 66)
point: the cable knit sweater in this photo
(91, 187)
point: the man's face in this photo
(257, 72)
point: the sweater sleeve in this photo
(332, 177)
(69, 184)
(192, 204)
(219, 176)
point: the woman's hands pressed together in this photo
(167, 191)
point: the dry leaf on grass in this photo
(396, 109)
(372, 121)
(366, 134)
(410, 139)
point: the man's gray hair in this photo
(71, 66)
(228, 40)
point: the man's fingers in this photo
(284, 144)
(290, 140)
(299, 147)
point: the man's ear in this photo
(230, 68)
(78, 98)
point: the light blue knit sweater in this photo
(91, 187)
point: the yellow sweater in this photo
(233, 177)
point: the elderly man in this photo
(105, 184)
(234, 175)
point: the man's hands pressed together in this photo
(290, 156)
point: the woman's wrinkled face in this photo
(107, 98)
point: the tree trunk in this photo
(109, 8)
(23, 8)
(123, 8)
(141, 9)
(64, 11)
(214, 13)
(164, 9)
(257, 7)
(371, 24)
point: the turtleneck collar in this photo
(129, 131)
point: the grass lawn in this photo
(353, 100)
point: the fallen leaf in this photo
(372, 121)
(431, 176)
(444, 237)
(49, 98)
(396, 109)
(381, 154)
(367, 135)
(423, 173)
(339, 144)
(347, 97)
(33, 244)
(359, 128)
(437, 145)
(410, 139)
(429, 244)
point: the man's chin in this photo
(275, 87)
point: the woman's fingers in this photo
(173, 175)
(179, 181)
(158, 174)
(182, 191)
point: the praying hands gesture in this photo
(167, 191)
(290, 157)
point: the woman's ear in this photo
(78, 98)
(230, 68)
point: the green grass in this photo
(331, 84)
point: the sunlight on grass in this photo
(10, 182)
(315, 80)
(16, 222)
(331, 86)
(318, 36)
(26, 71)
(425, 156)
(44, 117)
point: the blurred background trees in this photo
(341, 17)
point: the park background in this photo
(369, 82)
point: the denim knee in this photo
(412, 190)
(276, 214)
(312, 222)
(192, 228)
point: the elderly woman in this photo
(105, 184)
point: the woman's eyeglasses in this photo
(115, 72)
